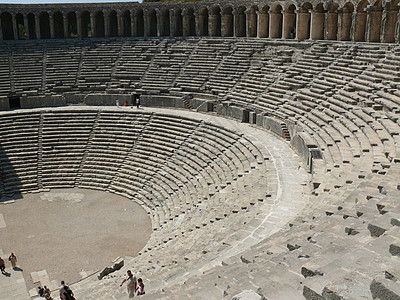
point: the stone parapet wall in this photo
(351, 21)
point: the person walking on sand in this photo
(2, 265)
(13, 260)
(131, 286)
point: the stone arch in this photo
(253, 24)
(31, 26)
(263, 22)
(203, 22)
(44, 25)
(318, 21)
(86, 27)
(227, 21)
(332, 26)
(374, 32)
(215, 21)
(189, 22)
(361, 21)
(99, 30)
(113, 23)
(276, 22)
(390, 20)
(289, 30)
(240, 21)
(72, 24)
(177, 21)
(139, 23)
(58, 25)
(347, 19)
(152, 22)
(7, 26)
(165, 29)
(126, 23)
(19, 19)
(304, 22)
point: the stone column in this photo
(263, 20)
(51, 17)
(26, 26)
(353, 26)
(326, 20)
(66, 25)
(248, 23)
(37, 25)
(78, 24)
(133, 23)
(145, 24)
(158, 17)
(107, 24)
(197, 23)
(172, 23)
(339, 24)
(93, 24)
(185, 23)
(236, 24)
(274, 28)
(317, 25)
(15, 28)
(397, 30)
(120, 23)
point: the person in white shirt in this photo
(131, 286)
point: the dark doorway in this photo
(14, 102)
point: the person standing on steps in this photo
(131, 284)
(65, 292)
(2, 265)
(140, 288)
(13, 260)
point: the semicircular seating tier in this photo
(341, 100)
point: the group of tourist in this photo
(65, 292)
(13, 259)
(137, 102)
(44, 292)
(134, 286)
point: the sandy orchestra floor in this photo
(67, 231)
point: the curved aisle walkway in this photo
(288, 185)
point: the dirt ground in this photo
(65, 231)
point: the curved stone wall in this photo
(357, 21)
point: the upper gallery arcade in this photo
(359, 21)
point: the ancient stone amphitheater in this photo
(266, 155)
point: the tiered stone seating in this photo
(64, 141)
(341, 99)
(19, 152)
(27, 68)
(98, 63)
(202, 62)
(133, 64)
(165, 67)
(62, 64)
(233, 67)
(5, 76)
